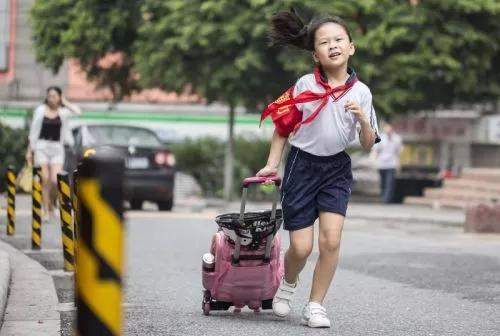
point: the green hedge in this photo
(13, 143)
(203, 158)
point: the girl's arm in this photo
(275, 152)
(366, 134)
(75, 109)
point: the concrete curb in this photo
(32, 304)
(409, 219)
(406, 214)
(4, 283)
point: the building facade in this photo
(451, 139)
(22, 78)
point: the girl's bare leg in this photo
(301, 244)
(330, 233)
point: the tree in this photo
(425, 54)
(418, 55)
(413, 54)
(13, 143)
(89, 30)
(219, 48)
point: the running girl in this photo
(319, 116)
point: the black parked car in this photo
(149, 164)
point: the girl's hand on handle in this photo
(267, 171)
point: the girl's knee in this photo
(329, 243)
(301, 251)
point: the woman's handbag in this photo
(24, 178)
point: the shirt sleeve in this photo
(36, 125)
(300, 86)
(369, 110)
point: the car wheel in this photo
(166, 205)
(136, 204)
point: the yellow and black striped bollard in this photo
(74, 202)
(100, 246)
(11, 201)
(36, 223)
(66, 221)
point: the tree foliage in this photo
(88, 30)
(13, 143)
(420, 54)
(203, 159)
(218, 47)
(413, 54)
(428, 55)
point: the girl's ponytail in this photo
(287, 28)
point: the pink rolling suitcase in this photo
(244, 267)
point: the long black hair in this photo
(56, 89)
(287, 28)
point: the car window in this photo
(119, 136)
(167, 135)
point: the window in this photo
(118, 136)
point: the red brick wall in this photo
(6, 77)
(79, 88)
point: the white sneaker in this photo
(283, 297)
(314, 316)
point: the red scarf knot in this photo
(284, 112)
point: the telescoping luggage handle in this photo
(246, 183)
(261, 179)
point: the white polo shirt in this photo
(388, 151)
(333, 128)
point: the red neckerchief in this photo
(283, 105)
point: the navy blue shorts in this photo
(312, 184)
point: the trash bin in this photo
(412, 180)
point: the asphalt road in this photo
(393, 279)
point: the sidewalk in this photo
(31, 303)
(4, 282)
(406, 213)
(28, 299)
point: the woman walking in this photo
(49, 130)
